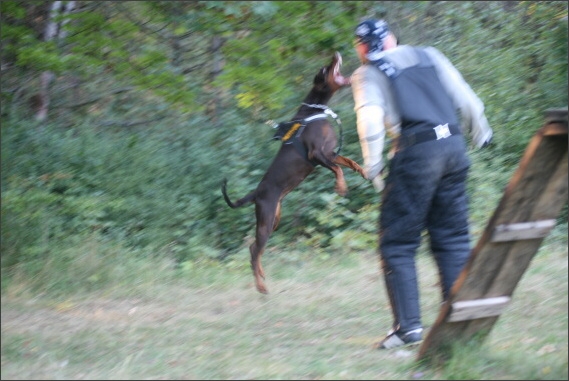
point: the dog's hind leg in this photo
(277, 216)
(268, 216)
(277, 219)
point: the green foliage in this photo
(148, 115)
(272, 53)
(87, 263)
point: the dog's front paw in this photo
(262, 288)
(342, 189)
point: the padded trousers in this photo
(425, 189)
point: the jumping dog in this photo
(309, 142)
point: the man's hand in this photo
(487, 143)
(373, 170)
(375, 174)
(378, 183)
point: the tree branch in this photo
(129, 124)
(93, 100)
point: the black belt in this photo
(409, 139)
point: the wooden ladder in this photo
(527, 212)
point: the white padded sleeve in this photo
(371, 132)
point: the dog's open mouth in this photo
(338, 77)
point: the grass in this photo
(146, 319)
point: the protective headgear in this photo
(372, 32)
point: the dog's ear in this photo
(320, 77)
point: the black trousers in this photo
(425, 189)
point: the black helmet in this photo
(372, 32)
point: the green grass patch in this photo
(149, 318)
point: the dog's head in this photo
(329, 78)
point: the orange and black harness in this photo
(289, 132)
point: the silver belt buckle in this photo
(442, 131)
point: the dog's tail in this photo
(249, 198)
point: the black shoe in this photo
(396, 339)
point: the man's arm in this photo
(372, 137)
(370, 127)
(464, 98)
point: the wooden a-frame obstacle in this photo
(527, 212)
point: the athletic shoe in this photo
(396, 339)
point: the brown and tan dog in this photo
(296, 159)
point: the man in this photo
(415, 93)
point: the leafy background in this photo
(152, 104)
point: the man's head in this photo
(372, 37)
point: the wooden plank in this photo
(530, 205)
(519, 257)
(554, 196)
(547, 205)
(543, 155)
(522, 230)
(536, 191)
(555, 129)
(477, 330)
(476, 309)
(481, 270)
(554, 115)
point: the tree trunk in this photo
(53, 30)
(217, 66)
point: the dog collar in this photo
(317, 116)
(326, 109)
